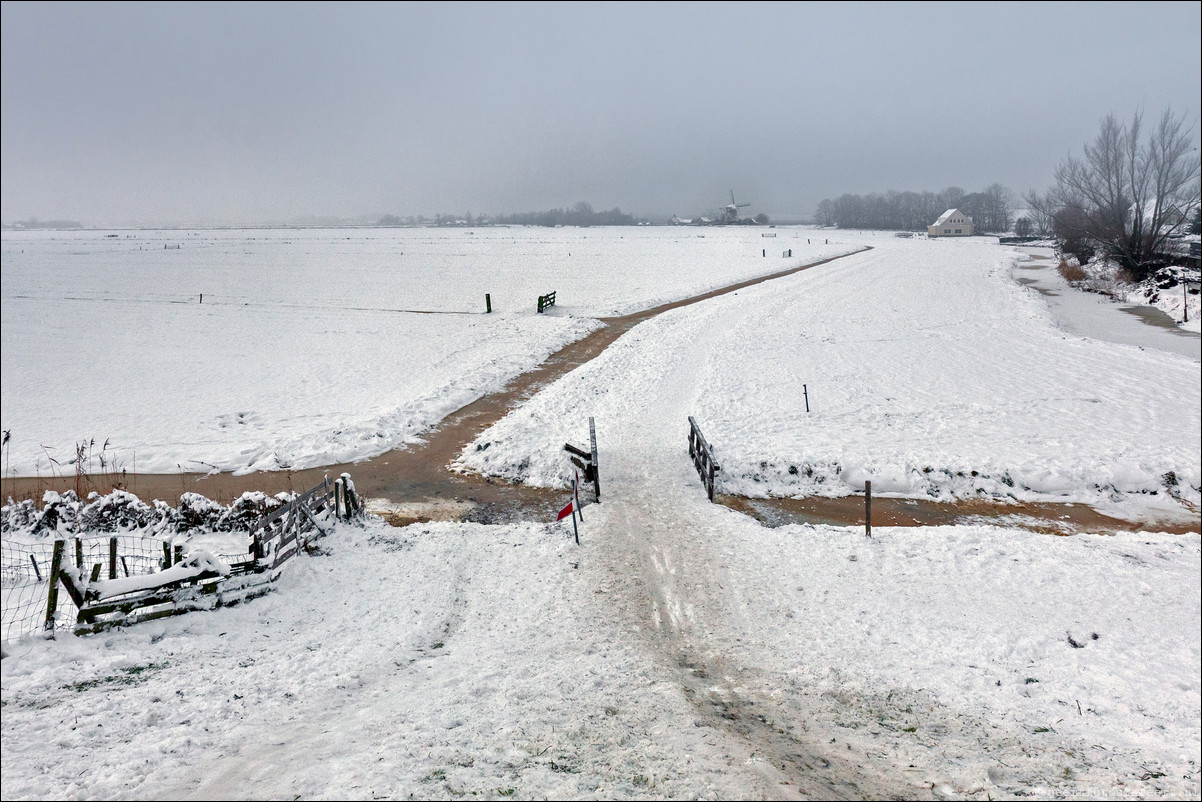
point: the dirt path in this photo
(413, 484)
(407, 484)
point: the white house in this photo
(952, 223)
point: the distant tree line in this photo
(582, 214)
(33, 222)
(991, 209)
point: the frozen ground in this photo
(299, 355)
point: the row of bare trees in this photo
(1127, 196)
(991, 209)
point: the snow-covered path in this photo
(684, 651)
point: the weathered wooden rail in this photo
(546, 301)
(702, 455)
(198, 581)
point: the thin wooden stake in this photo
(806, 393)
(112, 558)
(36, 571)
(487, 303)
(868, 509)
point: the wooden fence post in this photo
(347, 494)
(112, 558)
(56, 564)
(166, 556)
(487, 303)
(79, 555)
(592, 437)
(868, 509)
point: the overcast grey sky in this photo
(246, 113)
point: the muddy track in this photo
(413, 481)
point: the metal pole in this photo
(575, 530)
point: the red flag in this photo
(565, 512)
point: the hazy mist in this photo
(116, 114)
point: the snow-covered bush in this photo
(119, 511)
(63, 514)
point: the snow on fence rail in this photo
(147, 578)
(702, 455)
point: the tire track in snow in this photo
(683, 598)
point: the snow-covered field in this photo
(682, 650)
(298, 355)
(928, 371)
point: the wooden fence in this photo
(703, 457)
(587, 461)
(546, 301)
(198, 581)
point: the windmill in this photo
(730, 212)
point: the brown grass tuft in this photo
(1072, 272)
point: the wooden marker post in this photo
(868, 509)
(592, 437)
(806, 394)
(487, 304)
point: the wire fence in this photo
(25, 575)
(32, 603)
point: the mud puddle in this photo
(1151, 316)
(1047, 517)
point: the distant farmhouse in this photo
(952, 223)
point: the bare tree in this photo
(1129, 193)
